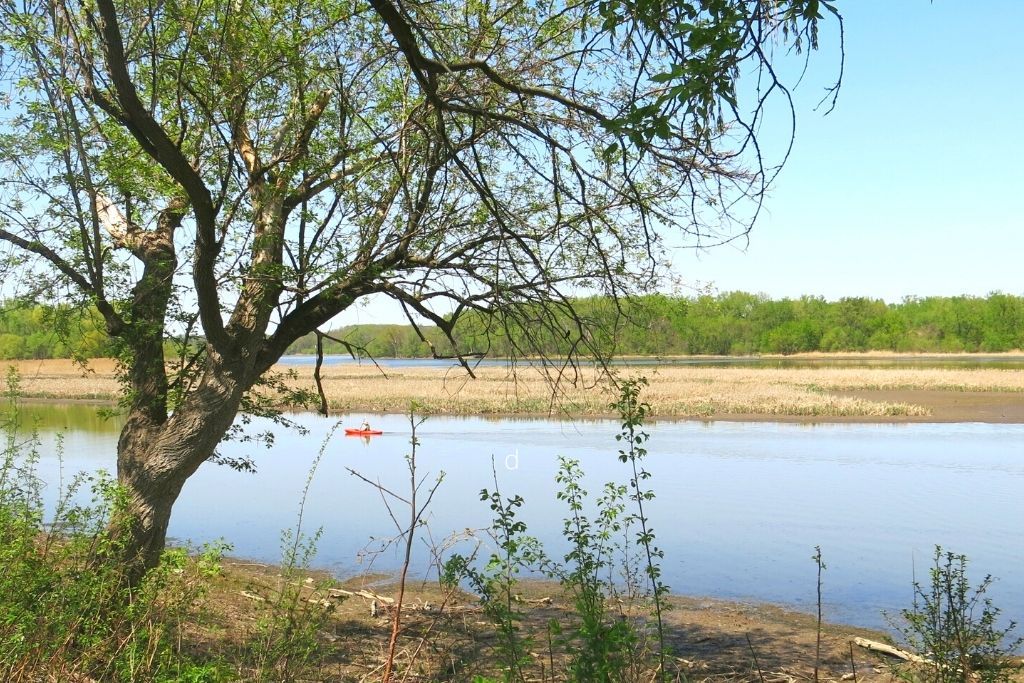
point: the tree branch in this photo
(154, 139)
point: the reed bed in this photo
(852, 378)
(673, 391)
(63, 379)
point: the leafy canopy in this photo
(247, 170)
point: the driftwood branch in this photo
(884, 648)
(252, 596)
(362, 593)
(887, 649)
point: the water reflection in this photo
(47, 416)
(740, 506)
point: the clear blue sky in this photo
(914, 185)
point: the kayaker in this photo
(366, 426)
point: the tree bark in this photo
(139, 531)
(155, 459)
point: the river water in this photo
(739, 506)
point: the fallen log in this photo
(362, 593)
(890, 650)
(532, 601)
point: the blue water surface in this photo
(739, 507)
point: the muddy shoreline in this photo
(710, 639)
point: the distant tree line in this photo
(734, 323)
(28, 332)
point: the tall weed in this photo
(496, 582)
(286, 644)
(602, 642)
(612, 563)
(632, 437)
(416, 502)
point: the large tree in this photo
(240, 172)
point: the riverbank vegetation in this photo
(733, 323)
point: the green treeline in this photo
(734, 323)
(738, 323)
(51, 332)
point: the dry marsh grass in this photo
(673, 391)
(66, 380)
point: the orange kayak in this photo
(362, 432)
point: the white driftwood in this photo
(885, 648)
(369, 595)
(532, 601)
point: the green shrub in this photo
(67, 611)
(611, 566)
(956, 628)
(496, 582)
(603, 641)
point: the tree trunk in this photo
(155, 460)
(140, 531)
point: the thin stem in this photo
(414, 512)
